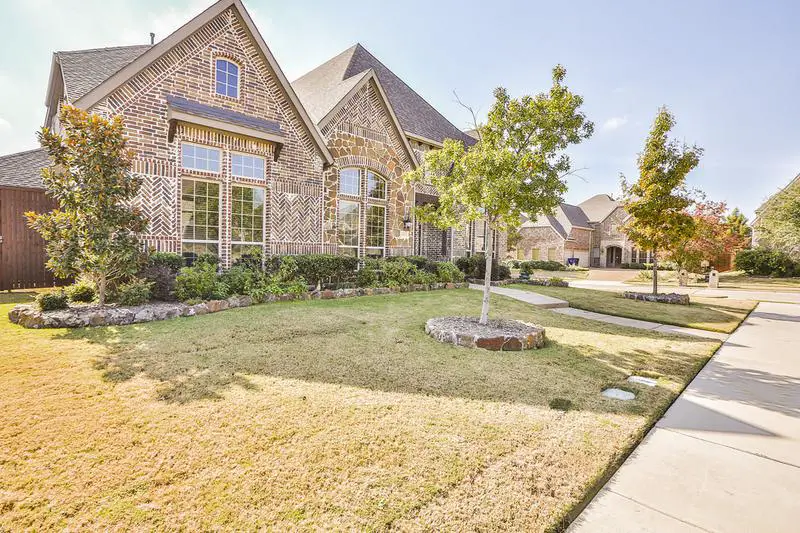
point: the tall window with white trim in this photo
(199, 218)
(349, 227)
(362, 190)
(247, 219)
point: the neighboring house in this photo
(589, 232)
(757, 231)
(233, 156)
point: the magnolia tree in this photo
(94, 231)
(518, 165)
(658, 201)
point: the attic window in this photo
(227, 78)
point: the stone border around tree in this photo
(30, 316)
(497, 335)
(670, 298)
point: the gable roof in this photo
(83, 70)
(319, 88)
(598, 207)
(154, 52)
(564, 218)
(547, 221)
(24, 169)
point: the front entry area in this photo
(613, 256)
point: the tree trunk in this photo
(655, 274)
(487, 277)
(101, 290)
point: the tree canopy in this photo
(94, 231)
(779, 224)
(518, 165)
(658, 200)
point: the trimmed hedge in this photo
(52, 301)
(765, 262)
(528, 267)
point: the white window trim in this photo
(381, 179)
(263, 217)
(245, 154)
(219, 216)
(190, 169)
(382, 248)
(238, 64)
(338, 221)
(359, 194)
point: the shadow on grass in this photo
(17, 297)
(376, 343)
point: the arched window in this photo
(357, 238)
(226, 78)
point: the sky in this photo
(726, 69)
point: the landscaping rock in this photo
(498, 334)
(215, 306)
(641, 380)
(619, 394)
(671, 298)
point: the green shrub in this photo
(239, 278)
(52, 301)
(367, 277)
(528, 267)
(161, 270)
(474, 267)
(420, 262)
(318, 268)
(765, 262)
(399, 272)
(135, 292)
(200, 282)
(82, 291)
(206, 259)
(449, 273)
(421, 277)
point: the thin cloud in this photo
(4, 124)
(614, 123)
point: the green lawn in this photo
(336, 414)
(727, 280)
(711, 314)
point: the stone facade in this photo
(610, 245)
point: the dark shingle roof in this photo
(224, 115)
(573, 216)
(23, 169)
(318, 90)
(83, 70)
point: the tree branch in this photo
(471, 112)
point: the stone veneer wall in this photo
(608, 234)
(361, 134)
(293, 183)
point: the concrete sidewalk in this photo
(726, 456)
(642, 324)
(539, 300)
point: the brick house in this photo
(233, 156)
(589, 232)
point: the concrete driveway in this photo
(726, 456)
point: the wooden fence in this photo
(22, 251)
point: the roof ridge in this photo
(23, 152)
(359, 45)
(350, 49)
(103, 48)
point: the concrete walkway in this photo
(561, 306)
(726, 456)
(539, 300)
(642, 324)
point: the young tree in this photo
(738, 225)
(517, 166)
(94, 231)
(657, 202)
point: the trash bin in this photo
(572, 261)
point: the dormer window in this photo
(227, 78)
